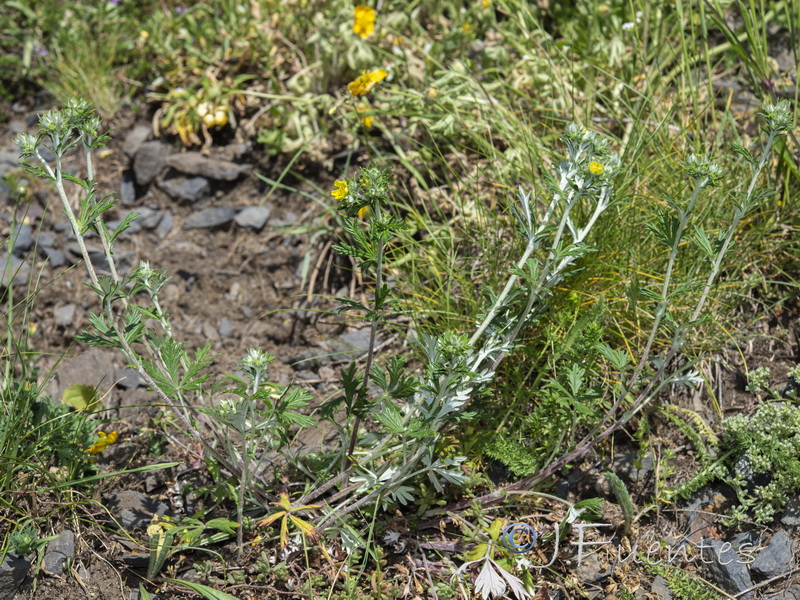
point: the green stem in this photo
(373, 331)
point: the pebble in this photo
(65, 315)
(59, 550)
(128, 378)
(791, 513)
(631, 467)
(165, 225)
(127, 188)
(13, 570)
(46, 239)
(253, 217)
(134, 510)
(148, 217)
(56, 257)
(149, 161)
(9, 160)
(660, 589)
(726, 567)
(776, 559)
(191, 189)
(226, 328)
(210, 217)
(194, 163)
(23, 240)
(17, 272)
(135, 138)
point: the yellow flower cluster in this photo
(364, 21)
(595, 168)
(103, 442)
(366, 81)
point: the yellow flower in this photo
(341, 189)
(486, 3)
(364, 21)
(144, 34)
(467, 27)
(364, 212)
(595, 168)
(366, 81)
(367, 122)
(103, 441)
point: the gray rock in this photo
(591, 569)
(232, 152)
(726, 566)
(791, 513)
(23, 240)
(148, 217)
(660, 589)
(95, 367)
(56, 257)
(210, 217)
(62, 226)
(165, 225)
(46, 239)
(127, 188)
(746, 541)
(356, 340)
(226, 328)
(59, 550)
(12, 572)
(149, 161)
(630, 467)
(194, 163)
(776, 559)
(135, 138)
(128, 378)
(134, 510)
(191, 189)
(65, 315)
(253, 217)
(9, 160)
(17, 271)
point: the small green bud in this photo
(778, 116)
(700, 168)
(27, 144)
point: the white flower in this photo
(628, 26)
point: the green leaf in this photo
(124, 225)
(701, 240)
(160, 550)
(81, 397)
(222, 524)
(744, 152)
(144, 594)
(93, 478)
(206, 592)
(77, 180)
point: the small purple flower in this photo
(180, 9)
(115, 1)
(43, 51)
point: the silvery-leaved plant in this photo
(259, 413)
(412, 414)
(638, 385)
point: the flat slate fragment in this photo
(210, 217)
(194, 163)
